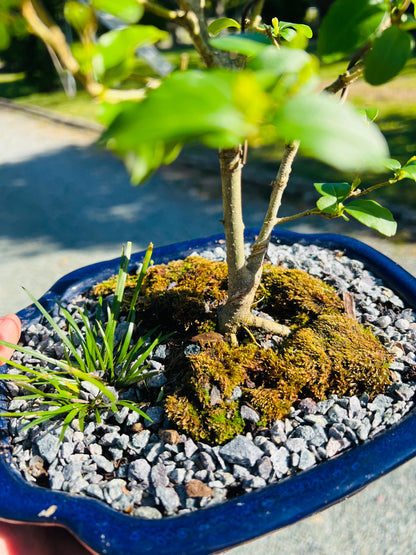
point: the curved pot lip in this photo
(252, 515)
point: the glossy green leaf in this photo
(78, 15)
(248, 45)
(222, 23)
(328, 205)
(280, 61)
(338, 190)
(115, 47)
(129, 11)
(372, 214)
(304, 30)
(147, 133)
(348, 25)
(388, 56)
(333, 133)
(409, 170)
(369, 114)
(288, 34)
(392, 164)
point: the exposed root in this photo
(269, 326)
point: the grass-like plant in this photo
(96, 363)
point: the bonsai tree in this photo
(255, 84)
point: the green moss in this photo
(224, 422)
(221, 366)
(295, 295)
(180, 410)
(326, 353)
(270, 403)
(332, 355)
(108, 286)
(359, 362)
(184, 294)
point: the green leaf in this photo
(145, 133)
(392, 164)
(328, 205)
(388, 56)
(288, 34)
(304, 30)
(348, 25)
(222, 23)
(338, 190)
(409, 170)
(293, 68)
(78, 15)
(249, 45)
(280, 61)
(129, 11)
(372, 214)
(369, 114)
(115, 47)
(331, 132)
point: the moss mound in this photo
(327, 352)
(295, 295)
(334, 355)
(183, 295)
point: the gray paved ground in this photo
(64, 204)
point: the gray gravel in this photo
(133, 467)
(42, 233)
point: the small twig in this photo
(156, 9)
(246, 10)
(397, 14)
(272, 38)
(279, 185)
(346, 79)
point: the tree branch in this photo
(231, 166)
(279, 185)
(171, 15)
(346, 79)
(46, 29)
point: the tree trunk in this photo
(243, 278)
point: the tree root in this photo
(269, 326)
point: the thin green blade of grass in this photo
(40, 416)
(125, 344)
(132, 407)
(97, 416)
(68, 419)
(108, 359)
(35, 354)
(71, 348)
(73, 324)
(38, 375)
(92, 351)
(140, 361)
(87, 340)
(121, 280)
(143, 270)
(136, 349)
(84, 376)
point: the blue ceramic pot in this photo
(238, 520)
